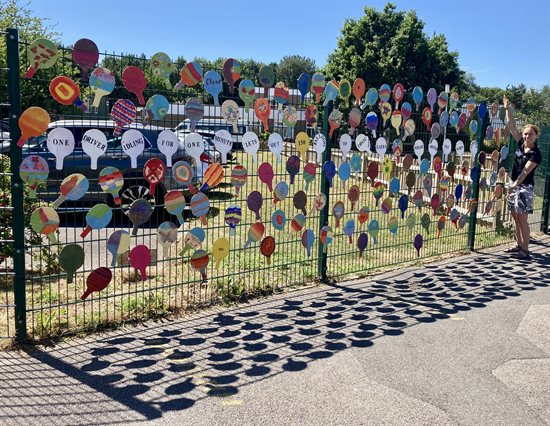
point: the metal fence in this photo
(380, 212)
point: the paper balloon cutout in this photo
(266, 77)
(384, 93)
(418, 242)
(349, 229)
(123, 113)
(32, 122)
(308, 238)
(354, 119)
(281, 93)
(94, 143)
(326, 237)
(213, 85)
(411, 221)
(254, 203)
(311, 116)
(363, 215)
(292, 167)
(139, 213)
(331, 92)
(98, 217)
(199, 261)
(72, 188)
(183, 174)
(134, 81)
(66, 92)
(278, 220)
(41, 54)
(85, 55)
(231, 114)
(231, 72)
(71, 258)
(33, 171)
(407, 162)
(371, 122)
(344, 90)
(45, 221)
(190, 75)
(338, 211)
(247, 91)
(133, 193)
(255, 233)
(302, 143)
(425, 222)
(212, 176)
(156, 108)
(319, 145)
(162, 67)
(303, 84)
(385, 112)
(194, 146)
(239, 176)
(432, 98)
(345, 145)
(174, 203)
(60, 143)
(220, 250)
(334, 120)
(344, 172)
(200, 205)
(318, 85)
(193, 240)
(117, 244)
(329, 170)
(371, 98)
(373, 230)
(319, 202)
(358, 90)
(140, 259)
(223, 141)
(133, 144)
(418, 96)
(251, 144)
(398, 94)
(353, 196)
(167, 234)
(232, 218)
(102, 82)
(168, 144)
(298, 223)
(267, 248)
(275, 144)
(300, 200)
(442, 101)
(263, 110)
(98, 280)
(265, 173)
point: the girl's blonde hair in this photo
(533, 127)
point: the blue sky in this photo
(500, 42)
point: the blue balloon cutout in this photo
(458, 192)
(424, 166)
(482, 111)
(329, 169)
(213, 84)
(304, 84)
(344, 171)
(403, 204)
(355, 162)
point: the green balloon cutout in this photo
(71, 258)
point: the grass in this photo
(54, 306)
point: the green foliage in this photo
(6, 216)
(390, 47)
(290, 68)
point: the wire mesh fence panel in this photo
(164, 190)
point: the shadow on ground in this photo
(138, 373)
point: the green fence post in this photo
(323, 217)
(18, 224)
(481, 129)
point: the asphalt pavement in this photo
(465, 341)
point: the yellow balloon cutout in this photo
(387, 166)
(302, 144)
(220, 250)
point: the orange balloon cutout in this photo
(358, 90)
(33, 122)
(67, 92)
(262, 110)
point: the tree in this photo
(391, 47)
(290, 68)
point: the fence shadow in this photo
(138, 374)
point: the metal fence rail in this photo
(377, 232)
